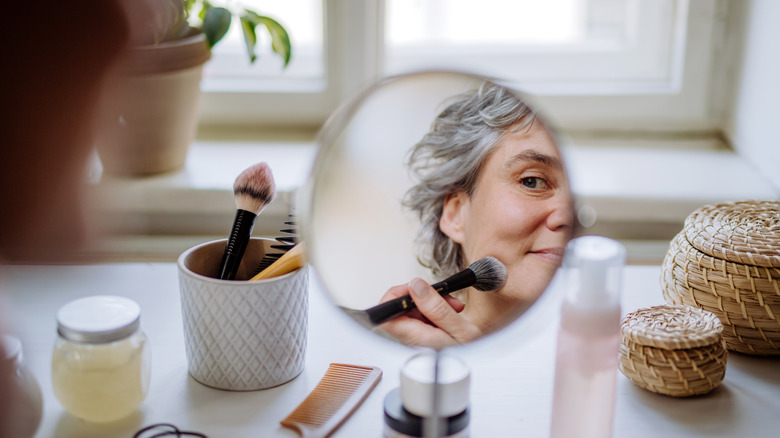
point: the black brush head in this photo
(491, 274)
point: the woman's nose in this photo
(561, 213)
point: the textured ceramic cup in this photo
(241, 335)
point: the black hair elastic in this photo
(165, 429)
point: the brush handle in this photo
(236, 244)
(290, 261)
(396, 307)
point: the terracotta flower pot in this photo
(149, 116)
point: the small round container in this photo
(101, 359)
(407, 407)
(400, 423)
(417, 385)
(27, 408)
(673, 350)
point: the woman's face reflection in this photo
(520, 213)
(470, 168)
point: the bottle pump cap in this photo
(595, 264)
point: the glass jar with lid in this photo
(101, 359)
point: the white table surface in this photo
(512, 371)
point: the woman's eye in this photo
(534, 182)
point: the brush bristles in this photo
(491, 274)
(254, 188)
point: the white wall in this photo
(753, 127)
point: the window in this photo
(558, 46)
(230, 68)
(646, 63)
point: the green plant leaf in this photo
(216, 23)
(250, 38)
(204, 7)
(280, 39)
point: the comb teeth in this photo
(286, 247)
(285, 244)
(336, 396)
(267, 260)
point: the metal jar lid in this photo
(98, 319)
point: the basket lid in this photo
(745, 232)
(672, 327)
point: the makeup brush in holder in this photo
(253, 189)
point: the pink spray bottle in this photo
(588, 339)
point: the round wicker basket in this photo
(727, 260)
(673, 350)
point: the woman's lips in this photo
(552, 254)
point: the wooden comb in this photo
(333, 400)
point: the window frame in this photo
(353, 40)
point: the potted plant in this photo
(149, 116)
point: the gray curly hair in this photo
(449, 159)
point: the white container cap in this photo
(417, 385)
(11, 349)
(595, 264)
(98, 319)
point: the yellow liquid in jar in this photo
(101, 382)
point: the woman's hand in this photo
(436, 322)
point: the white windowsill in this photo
(641, 193)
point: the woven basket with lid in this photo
(727, 260)
(674, 350)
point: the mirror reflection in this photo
(422, 177)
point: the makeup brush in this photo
(253, 190)
(486, 274)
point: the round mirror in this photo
(430, 175)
